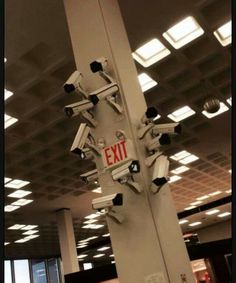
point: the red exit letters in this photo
(115, 153)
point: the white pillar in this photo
(148, 245)
(67, 241)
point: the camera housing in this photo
(153, 144)
(160, 171)
(149, 115)
(168, 128)
(89, 176)
(76, 108)
(108, 201)
(100, 64)
(73, 82)
(126, 169)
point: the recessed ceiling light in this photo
(97, 190)
(98, 255)
(195, 223)
(202, 197)
(183, 221)
(92, 216)
(190, 207)
(16, 227)
(213, 211)
(146, 82)
(150, 53)
(183, 32)
(189, 159)
(180, 170)
(223, 33)
(174, 178)
(31, 237)
(229, 101)
(7, 94)
(22, 202)
(224, 214)
(92, 226)
(82, 256)
(113, 261)
(30, 232)
(106, 235)
(180, 155)
(82, 246)
(223, 108)
(229, 191)
(29, 227)
(6, 243)
(23, 240)
(181, 113)
(16, 184)
(215, 193)
(92, 238)
(111, 255)
(6, 180)
(90, 221)
(196, 202)
(103, 249)
(9, 208)
(8, 121)
(19, 194)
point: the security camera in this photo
(160, 171)
(80, 139)
(149, 115)
(99, 64)
(83, 139)
(103, 92)
(128, 168)
(74, 83)
(90, 176)
(78, 107)
(158, 141)
(168, 128)
(108, 201)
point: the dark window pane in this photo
(53, 271)
(39, 271)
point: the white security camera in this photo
(107, 202)
(156, 142)
(100, 64)
(149, 115)
(160, 171)
(168, 128)
(89, 176)
(80, 139)
(74, 84)
(128, 168)
(103, 92)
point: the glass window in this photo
(53, 271)
(21, 268)
(7, 272)
(39, 271)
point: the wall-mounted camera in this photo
(106, 204)
(160, 173)
(74, 84)
(82, 140)
(89, 176)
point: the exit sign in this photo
(118, 153)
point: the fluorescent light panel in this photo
(103, 249)
(92, 226)
(224, 214)
(224, 34)
(29, 227)
(181, 113)
(223, 108)
(22, 202)
(19, 194)
(82, 256)
(213, 211)
(6, 180)
(229, 101)
(196, 202)
(215, 193)
(7, 94)
(106, 235)
(189, 159)
(23, 240)
(195, 223)
(183, 221)
(30, 237)
(203, 197)
(90, 221)
(92, 216)
(184, 157)
(189, 207)
(16, 227)
(180, 170)
(6, 243)
(10, 208)
(82, 246)
(8, 121)
(97, 190)
(183, 32)
(30, 232)
(16, 184)
(98, 255)
(174, 178)
(150, 53)
(146, 82)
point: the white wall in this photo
(216, 232)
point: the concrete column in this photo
(141, 252)
(67, 241)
